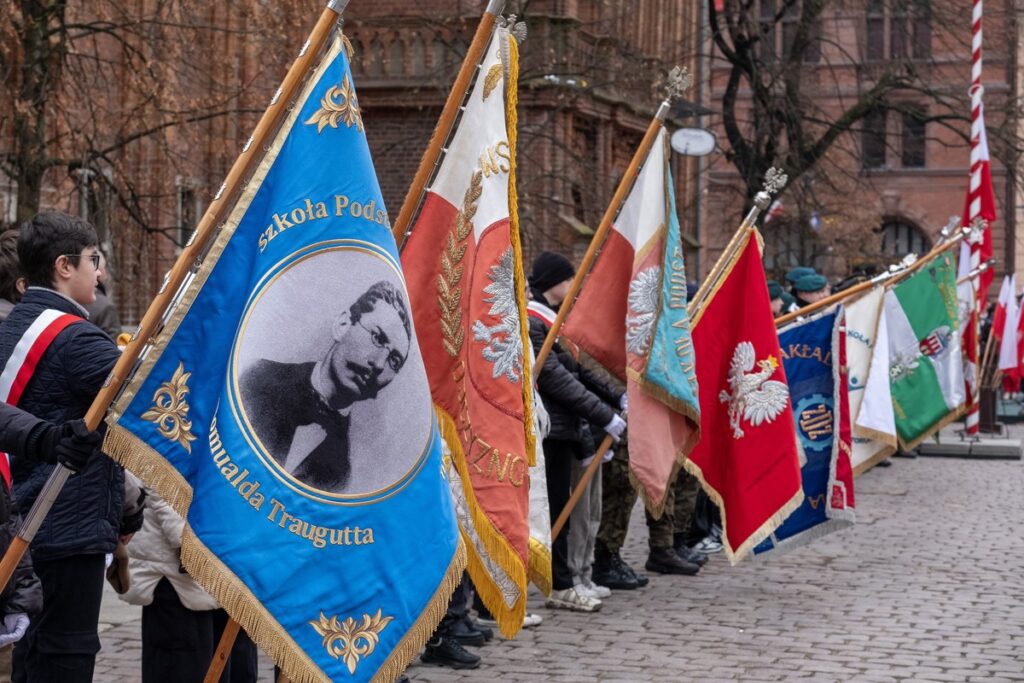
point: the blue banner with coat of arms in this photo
(811, 358)
(285, 412)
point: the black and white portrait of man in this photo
(303, 411)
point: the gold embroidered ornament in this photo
(350, 642)
(338, 105)
(170, 409)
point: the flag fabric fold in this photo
(256, 413)
(814, 358)
(967, 313)
(632, 318)
(747, 459)
(464, 265)
(1005, 325)
(925, 368)
(862, 322)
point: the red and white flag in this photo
(981, 203)
(631, 317)
(1008, 330)
(463, 265)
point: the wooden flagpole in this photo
(205, 232)
(445, 123)
(679, 81)
(890, 279)
(580, 487)
(774, 181)
(220, 657)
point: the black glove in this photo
(77, 445)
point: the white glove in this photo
(14, 627)
(624, 403)
(616, 427)
(607, 457)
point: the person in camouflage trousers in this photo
(669, 552)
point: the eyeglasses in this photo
(95, 258)
(395, 360)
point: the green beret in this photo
(794, 274)
(811, 282)
(774, 290)
(788, 302)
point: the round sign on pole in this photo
(694, 142)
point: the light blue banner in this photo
(285, 411)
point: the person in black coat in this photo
(571, 394)
(59, 256)
(25, 436)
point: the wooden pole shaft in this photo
(205, 231)
(220, 657)
(625, 185)
(456, 95)
(581, 487)
(847, 293)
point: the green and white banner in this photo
(925, 368)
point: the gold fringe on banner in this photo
(236, 598)
(939, 424)
(510, 619)
(761, 533)
(519, 276)
(540, 566)
(132, 453)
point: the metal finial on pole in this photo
(677, 82)
(774, 182)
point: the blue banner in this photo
(285, 412)
(810, 357)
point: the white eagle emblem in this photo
(644, 293)
(754, 397)
(503, 343)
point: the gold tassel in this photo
(148, 465)
(510, 619)
(540, 566)
(519, 277)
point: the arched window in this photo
(900, 238)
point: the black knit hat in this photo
(550, 269)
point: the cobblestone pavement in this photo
(927, 586)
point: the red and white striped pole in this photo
(974, 213)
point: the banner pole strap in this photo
(445, 123)
(581, 487)
(203, 235)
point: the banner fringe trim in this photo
(759, 534)
(151, 467)
(878, 457)
(939, 424)
(539, 571)
(510, 619)
(518, 272)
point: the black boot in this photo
(463, 631)
(621, 566)
(607, 570)
(687, 553)
(448, 652)
(666, 561)
(475, 625)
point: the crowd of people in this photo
(59, 323)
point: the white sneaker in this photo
(572, 599)
(531, 620)
(599, 592)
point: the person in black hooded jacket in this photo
(571, 394)
(59, 258)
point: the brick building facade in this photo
(891, 183)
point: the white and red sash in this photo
(535, 309)
(23, 361)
